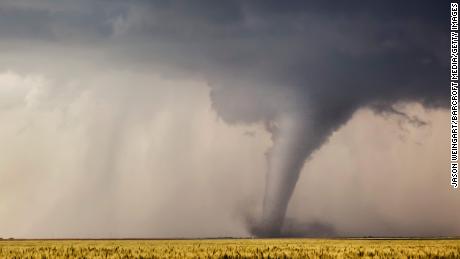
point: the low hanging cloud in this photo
(300, 69)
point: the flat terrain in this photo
(232, 248)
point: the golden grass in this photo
(231, 248)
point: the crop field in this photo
(232, 248)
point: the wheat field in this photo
(232, 248)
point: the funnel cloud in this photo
(179, 92)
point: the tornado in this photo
(295, 135)
(291, 146)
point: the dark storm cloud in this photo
(301, 67)
(48, 20)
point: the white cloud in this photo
(21, 90)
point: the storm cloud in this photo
(300, 70)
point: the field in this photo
(232, 248)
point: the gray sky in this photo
(181, 119)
